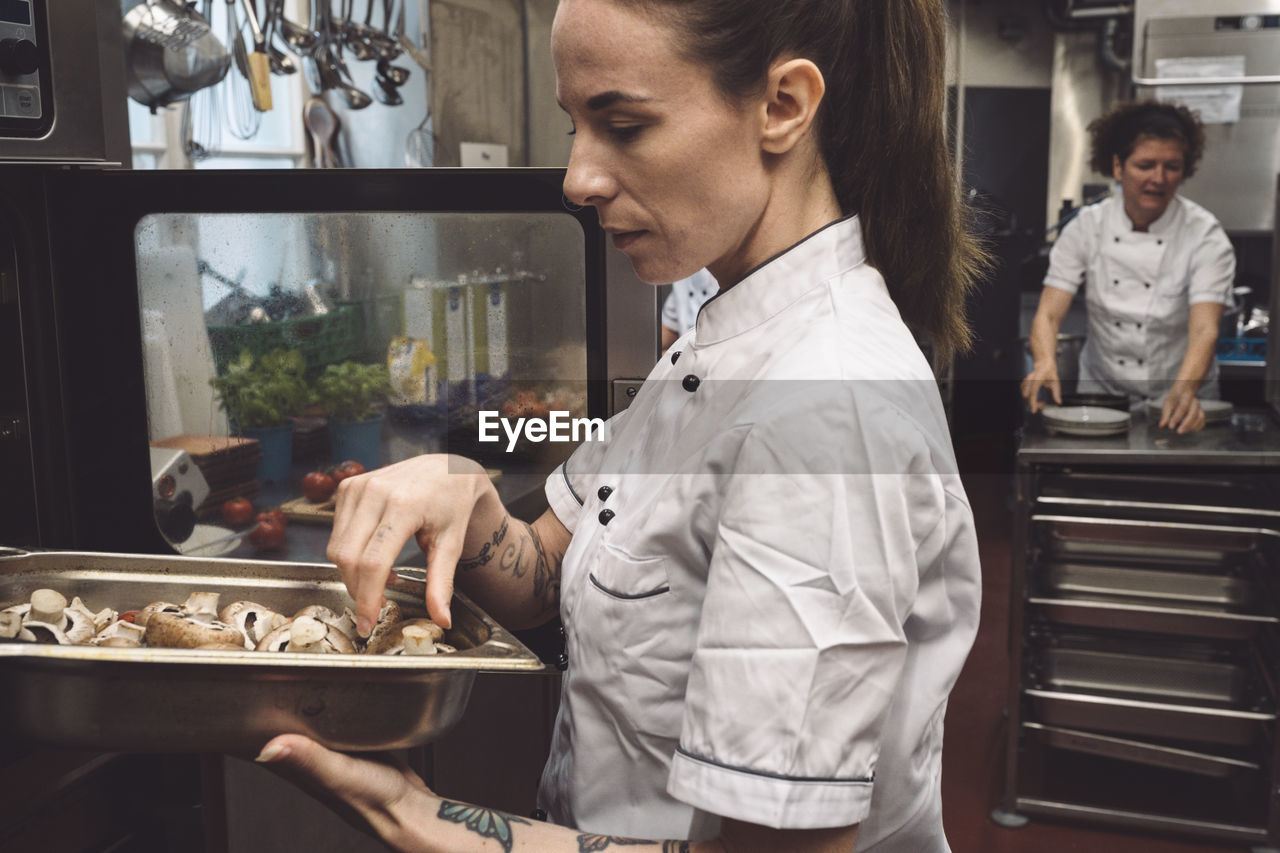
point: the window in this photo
(218, 119)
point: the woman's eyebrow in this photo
(608, 99)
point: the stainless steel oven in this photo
(62, 92)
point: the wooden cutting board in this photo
(303, 510)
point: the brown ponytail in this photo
(881, 130)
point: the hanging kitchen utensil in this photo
(170, 53)
(259, 62)
(242, 118)
(419, 148)
(322, 124)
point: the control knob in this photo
(19, 56)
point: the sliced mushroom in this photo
(182, 631)
(43, 632)
(120, 634)
(344, 622)
(10, 625)
(253, 620)
(230, 647)
(388, 617)
(100, 620)
(55, 620)
(399, 638)
(306, 634)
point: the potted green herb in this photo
(354, 396)
(261, 397)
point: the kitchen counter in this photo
(1250, 439)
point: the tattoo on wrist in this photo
(485, 556)
(486, 823)
(588, 843)
(675, 847)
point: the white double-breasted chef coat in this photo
(1139, 287)
(773, 579)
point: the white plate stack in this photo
(1084, 420)
(1215, 411)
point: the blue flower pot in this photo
(276, 444)
(358, 440)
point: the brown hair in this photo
(881, 130)
(1117, 132)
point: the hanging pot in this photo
(170, 53)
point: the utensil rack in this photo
(1120, 693)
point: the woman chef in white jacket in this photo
(768, 574)
(1157, 270)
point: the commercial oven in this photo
(119, 292)
(123, 287)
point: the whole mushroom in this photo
(309, 635)
(193, 625)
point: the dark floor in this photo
(974, 749)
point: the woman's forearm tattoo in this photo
(486, 823)
(588, 843)
(485, 555)
(546, 574)
(516, 553)
(675, 847)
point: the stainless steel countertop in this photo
(1250, 439)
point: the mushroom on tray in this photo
(120, 634)
(344, 622)
(409, 637)
(47, 618)
(253, 620)
(194, 625)
(307, 634)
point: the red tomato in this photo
(350, 468)
(267, 536)
(318, 487)
(274, 515)
(129, 616)
(237, 512)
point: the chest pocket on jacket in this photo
(626, 578)
(631, 618)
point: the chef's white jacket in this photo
(773, 579)
(1139, 287)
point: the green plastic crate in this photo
(324, 339)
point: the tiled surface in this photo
(973, 754)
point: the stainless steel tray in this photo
(1142, 752)
(1124, 693)
(1188, 603)
(1204, 498)
(1149, 542)
(178, 700)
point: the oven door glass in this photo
(280, 344)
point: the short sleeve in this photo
(802, 641)
(1213, 268)
(566, 486)
(1069, 257)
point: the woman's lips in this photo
(623, 239)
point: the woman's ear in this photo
(795, 89)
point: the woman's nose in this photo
(586, 182)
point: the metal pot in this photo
(170, 53)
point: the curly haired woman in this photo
(1157, 270)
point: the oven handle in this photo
(1256, 80)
